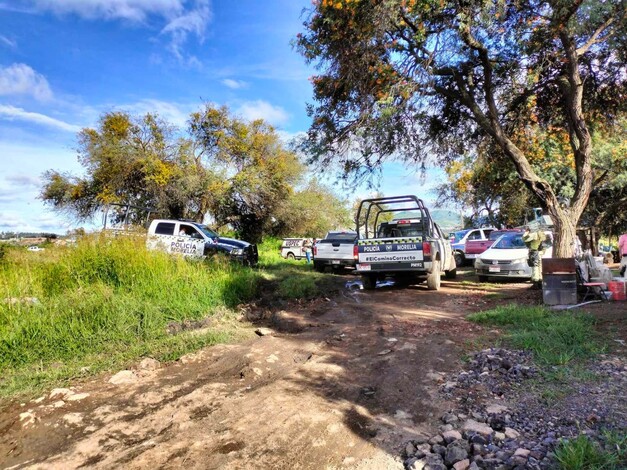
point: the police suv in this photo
(196, 240)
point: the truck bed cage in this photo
(382, 206)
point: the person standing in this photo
(307, 245)
(534, 240)
(622, 251)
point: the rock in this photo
(60, 393)
(410, 449)
(450, 436)
(415, 464)
(58, 404)
(77, 397)
(123, 377)
(499, 436)
(421, 439)
(73, 418)
(449, 387)
(27, 417)
(478, 439)
(454, 453)
(520, 452)
(446, 427)
(148, 363)
(437, 439)
(438, 449)
(449, 418)
(496, 409)
(422, 450)
(472, 426)
(462, 465)
(264, 332)
(474, 466)
(477, 449)
(511, 433)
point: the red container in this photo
(618, 290)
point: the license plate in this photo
(494, 269)
(335, 261)
(471, 256)
(363, 267)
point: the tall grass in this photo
(582, 453)
(104, 298)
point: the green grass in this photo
(69, 312)
(584, 454)
(556, 338)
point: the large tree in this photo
(131, 163)
(259, 172)
(415, 79)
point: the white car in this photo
(35, 248)
(507, 257)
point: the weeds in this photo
(582, 453)
(556, 339)
(107, 301)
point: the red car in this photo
(475, 247)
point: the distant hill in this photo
(446, 219)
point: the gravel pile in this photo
(499, 424)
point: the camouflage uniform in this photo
(534, 240)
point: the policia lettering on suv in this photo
(533, 241)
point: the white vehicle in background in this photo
(196, 240)
(35, 248)
(335, 250)
(507, 257)
(292, 248)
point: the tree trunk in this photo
(565, 232)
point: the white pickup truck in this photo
(335, 250)
(410, 249)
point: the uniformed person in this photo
(533, 240)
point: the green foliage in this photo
(137, 161)
(311, 212)
(555, 338)
(258, 172)
(582, 453)
(412, 79)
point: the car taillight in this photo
(355, 252)
(426, 248)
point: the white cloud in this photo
(180, 21)
(8, 42)
(20, 79)
(234, 84)
(174, 113)
(260, 109)
(24, 181)
(131, 10)
(12, 113)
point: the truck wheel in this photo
(452, 274)
(433, 278)
(482, 278)
(290, 255)
(369, 281)
(460, 259)
(318, 266)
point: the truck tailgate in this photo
(334, 250)
(394, 254)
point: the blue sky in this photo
(65, 62)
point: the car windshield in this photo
(457, 236)
(510, 241)
(206, 230)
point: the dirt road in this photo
(340, 383)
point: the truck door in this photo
(189, 242)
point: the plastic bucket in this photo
(618, 290)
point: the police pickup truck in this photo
(195, 240)
(411, 249)
(335, 250)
